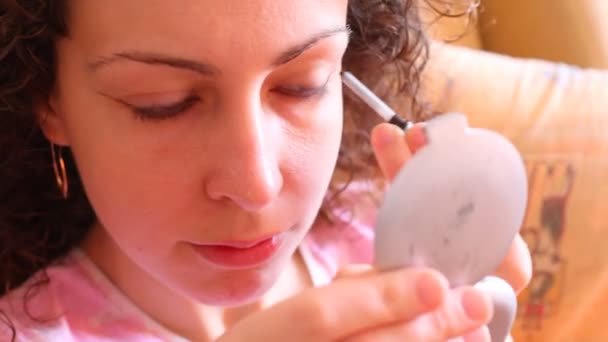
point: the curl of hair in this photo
(388, 50)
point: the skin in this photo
(161, 182)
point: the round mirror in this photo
(457, 204)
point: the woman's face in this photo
(201, 128)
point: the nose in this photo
(246, 171)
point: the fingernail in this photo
(424, 136)
(474, 304)
(431, 290)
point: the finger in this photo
(345, 307)
(390, 148)
(393, 147)
(516, 268)
(464, 312)
(355, 270)
(480, 335)
(416, 137)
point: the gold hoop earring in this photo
(61, 176)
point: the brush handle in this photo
(400, 122)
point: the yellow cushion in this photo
(570, 31)
(558, 118)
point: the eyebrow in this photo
(203, 68)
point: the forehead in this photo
(219, 28)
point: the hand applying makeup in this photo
(393, 148)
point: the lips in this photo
(240, 254)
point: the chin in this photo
(236, 288)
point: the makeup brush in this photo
(374, 102)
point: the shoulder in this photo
(62, 303)
(73, 301)
(33, 311)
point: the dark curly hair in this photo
(387, 50)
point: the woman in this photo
(168, 167)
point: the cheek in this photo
(134, 189)
(135, 182)
(313, 151)
(134, 173)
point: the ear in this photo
(51, 121)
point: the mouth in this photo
(236, 255)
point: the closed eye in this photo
(159, 112)
(303, 92)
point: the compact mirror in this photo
(456, 206)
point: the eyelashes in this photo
(303, 92)
(168, 111)
(159, 112)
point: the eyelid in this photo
(156, 99)
(164, 111)
(326, 51)
(296, 88)
(303, 91)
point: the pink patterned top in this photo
(80, 304)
